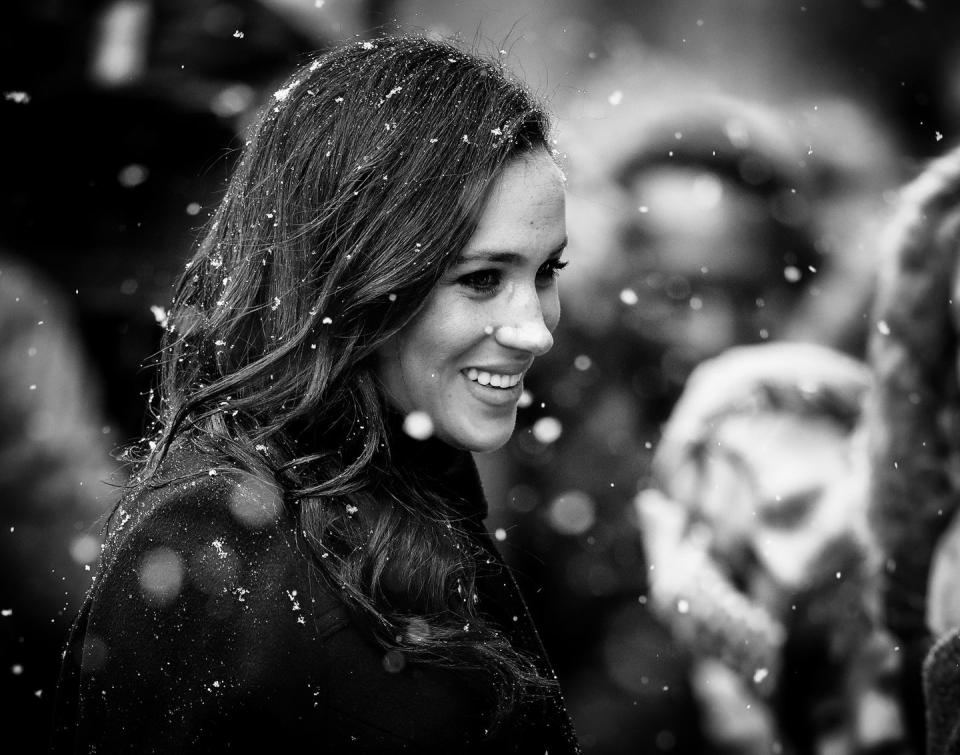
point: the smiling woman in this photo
(288, 567)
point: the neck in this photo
(436, 463)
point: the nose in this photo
(527, 329)
(528, 336)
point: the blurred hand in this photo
(943, 596)
(663, 523)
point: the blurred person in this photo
(53, 463)
(759, 556)
(915, 444)
(719, 221)
(302, 546)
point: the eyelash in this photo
(487, 281)
(552, 267)
(481, 281)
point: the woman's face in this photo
(462, 360)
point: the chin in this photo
(482, 440)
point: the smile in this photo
(493, 379)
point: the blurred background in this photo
(729, 168)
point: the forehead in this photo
(525, 207)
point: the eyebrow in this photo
(501, 256)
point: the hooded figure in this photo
(915, 443)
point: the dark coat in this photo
(207, 630)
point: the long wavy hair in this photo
(358, 186)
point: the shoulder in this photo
(204, 543)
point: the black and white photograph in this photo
(480, 376)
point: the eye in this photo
(481, 281)
(549, 270)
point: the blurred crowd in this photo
(731, 497)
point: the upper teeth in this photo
(494, 379)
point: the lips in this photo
(483, 385)
(502, 380)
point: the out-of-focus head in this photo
(695, 224)
(761, 447)
(716, 244)
(364, 178)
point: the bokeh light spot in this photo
(418, 425)
(572, 513)
(84, 549)
(161, 576)
(547, 430)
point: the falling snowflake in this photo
(284, 92)
(160, 315)
(161, 576)
(418, 425)
(572, 513)
(84, 549)
(547, 430)
(294, 603)
(132, 175)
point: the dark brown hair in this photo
(360, 182)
